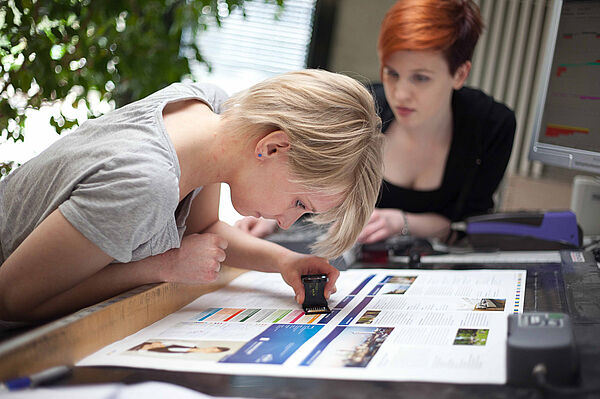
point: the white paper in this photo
(146, 390)
(491, 257)
(394, 325)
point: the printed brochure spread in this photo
(394, 325)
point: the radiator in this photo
(507, 65)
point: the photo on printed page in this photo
(393, 285)
(348, 347)
(406, 280)
(368, 317)
(490, 305)
(471, 336)
(192, 350)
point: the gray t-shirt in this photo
(115, 179)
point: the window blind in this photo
(266, 41)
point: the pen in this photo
(34, 379)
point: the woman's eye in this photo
(391, 74)
(421, 78)
(299, 204)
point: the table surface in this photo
(549, 287)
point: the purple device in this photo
(524, 231)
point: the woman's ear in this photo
(461, 75)
(273, 144)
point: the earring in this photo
(259, 155)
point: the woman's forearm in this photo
(111, 280)
(431, 225)
(249, 252)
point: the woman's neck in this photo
(438, 129)
(207, 153)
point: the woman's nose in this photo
(287, 220)
(285, 223)
(401, 90)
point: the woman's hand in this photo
(198, 260)
(382, 224)
(296, 265)
(257, 227)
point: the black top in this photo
(482, 138)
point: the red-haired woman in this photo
(447, 146)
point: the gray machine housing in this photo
(541, 338)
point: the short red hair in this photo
(452, 26)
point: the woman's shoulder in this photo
(481, 119)
(477, 103)
(210, 93)
(378, 93)
(381, 105)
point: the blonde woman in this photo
(132, 197)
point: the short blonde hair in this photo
(335, 143)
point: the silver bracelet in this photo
(405, 231)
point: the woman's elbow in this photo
(7, 313)
(12, 306)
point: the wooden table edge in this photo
(67, 340)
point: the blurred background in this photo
(64, 61)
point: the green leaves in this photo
(124, 50)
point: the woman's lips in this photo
(404, 111)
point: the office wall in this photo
(354, 38)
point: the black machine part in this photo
(541, 342)
(314, 294)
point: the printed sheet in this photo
(391, 325)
